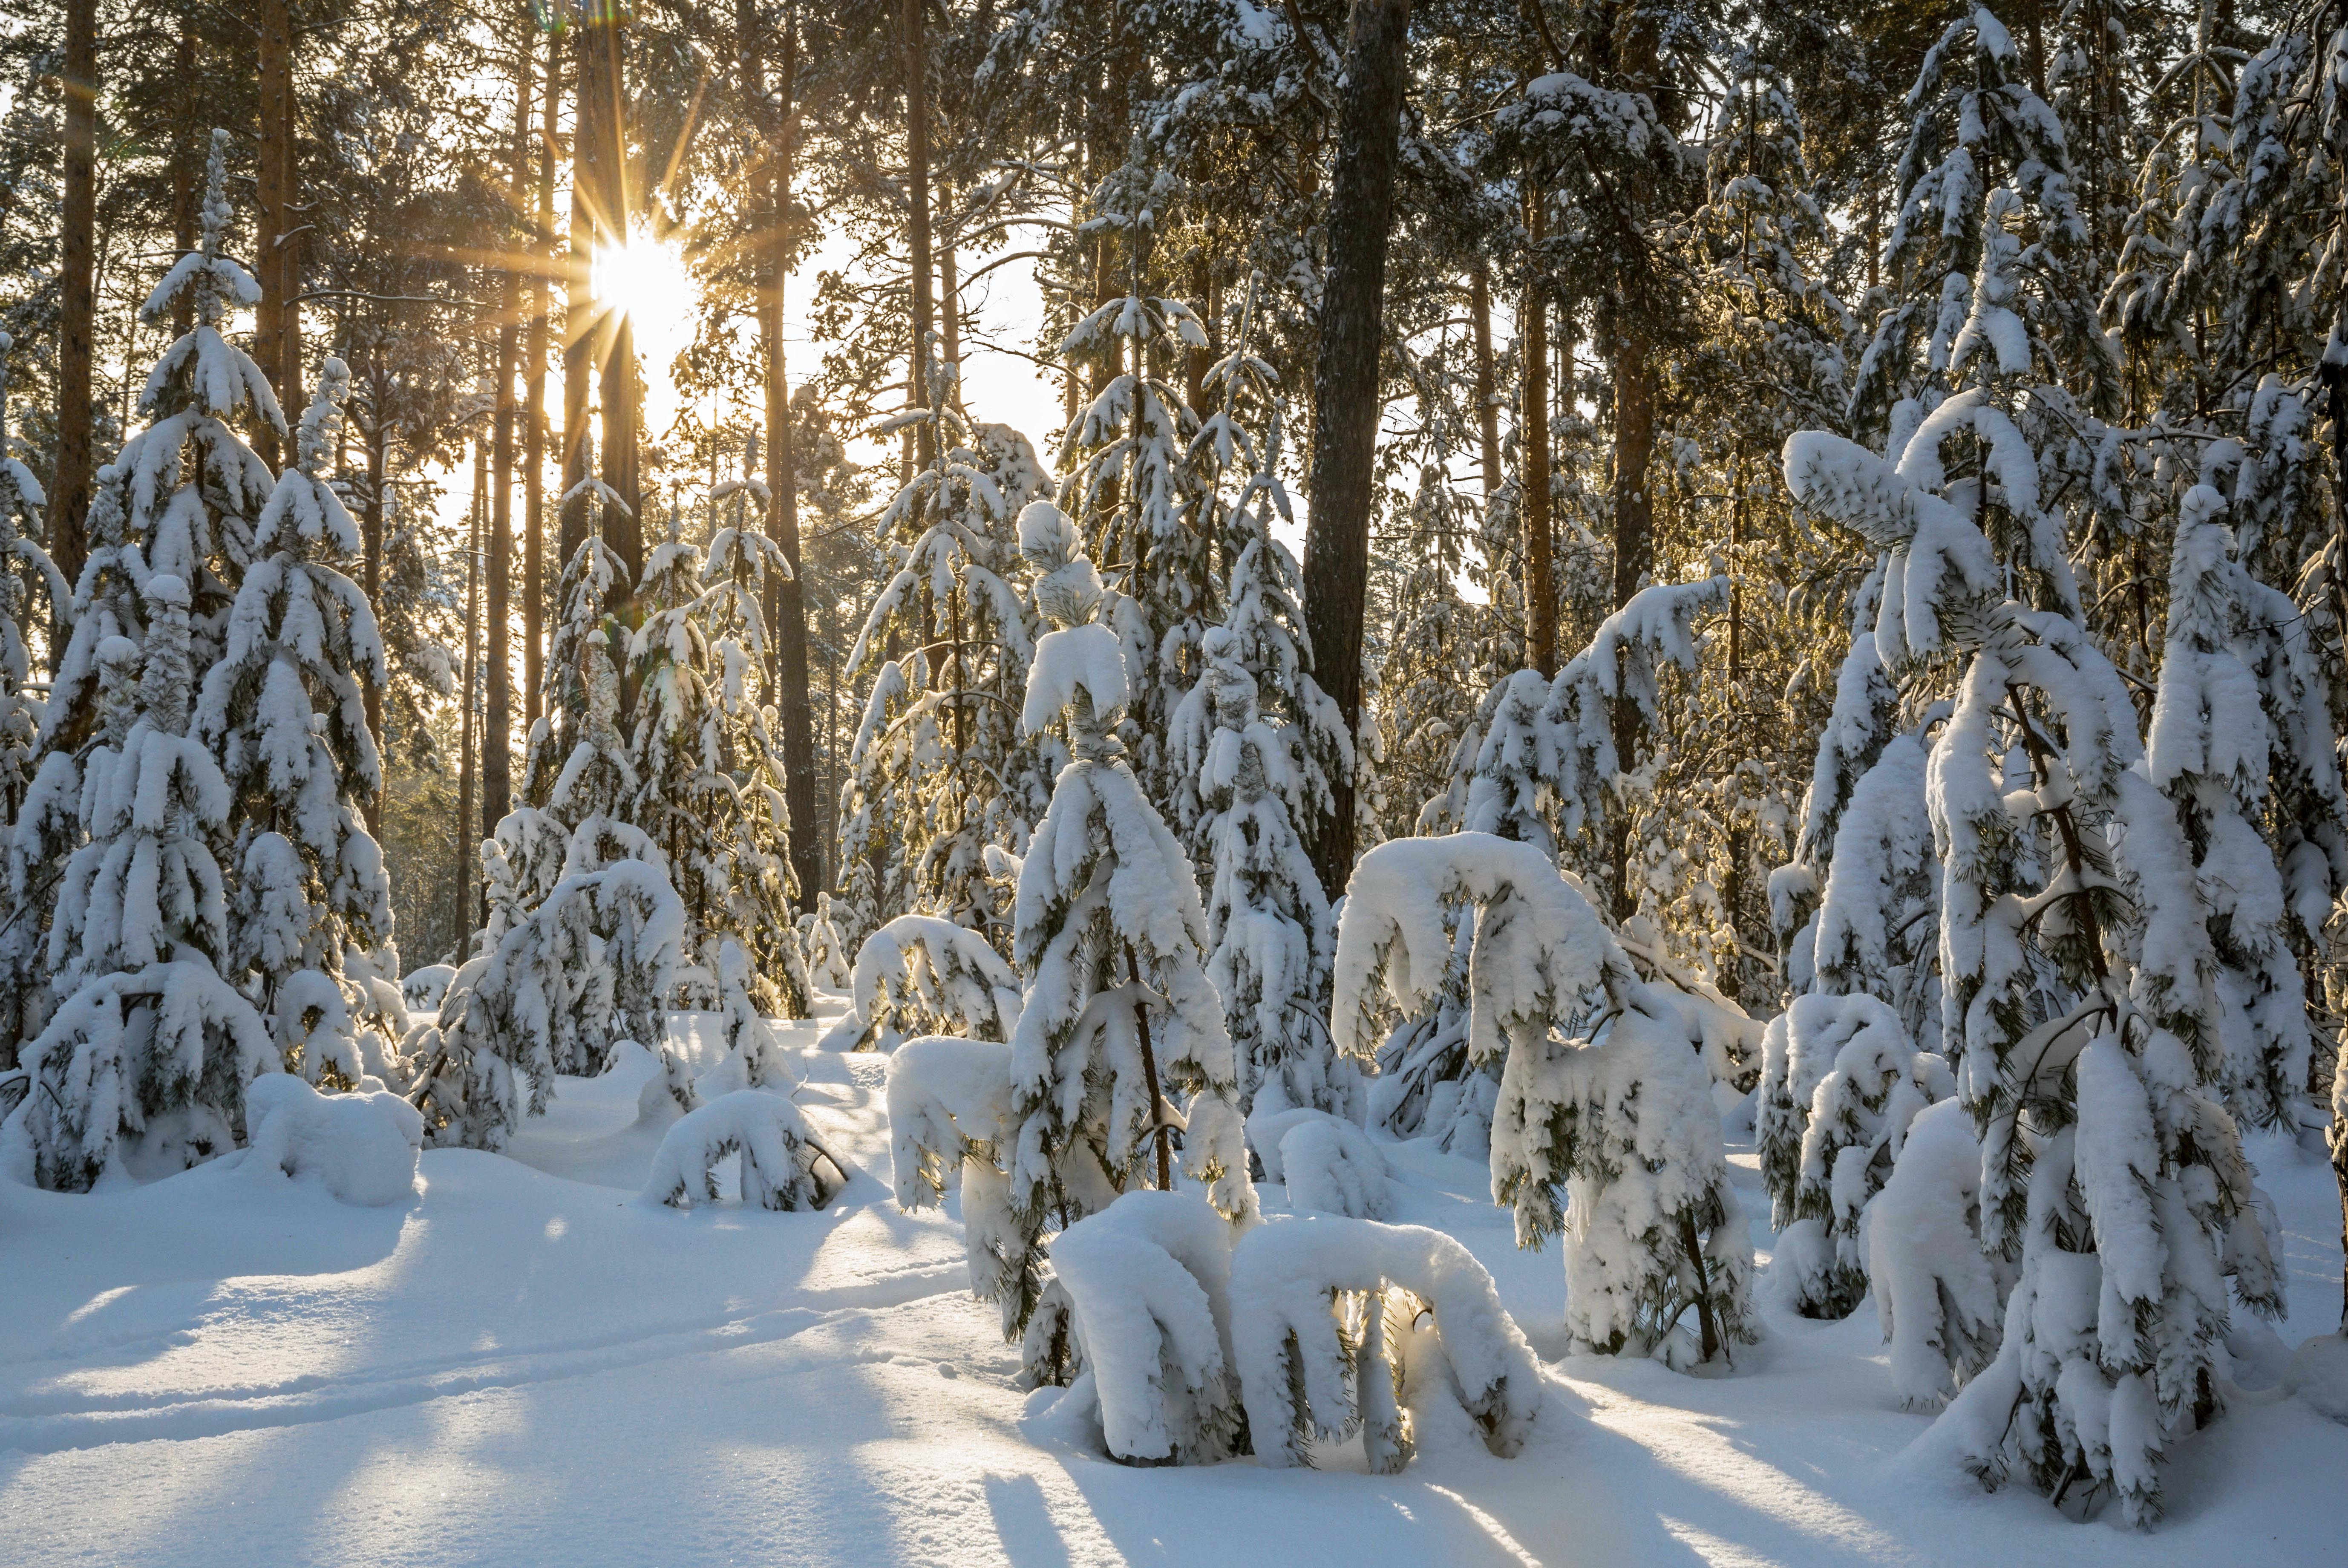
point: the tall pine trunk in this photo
(69, 494)
(1488, 407)
(497, 725)
(277, 330)
(786, 598)
(600, 168)
(1345, 387)
(917, 196)
(533, 437)
(1533, 506)
(467, 842)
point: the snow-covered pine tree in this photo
(592, 578)
(284, 712)
(1618, 1116)
(1975, 126)
(20, 555)
(2074, 954)
(1119, 1016)
(1255, 746)
(1135, 494)
(144, 1065)
(938, 768)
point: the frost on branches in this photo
(1619, 1117)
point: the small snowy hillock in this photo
(516, 1361)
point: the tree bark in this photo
(917, 198)
(1346, 386)
(497, 725)
(70, 498)
(187, 167)
(1488, 407)
(602, 168)
(785, 599)
(277, 333)
(582, 332)
(1533, 506)
(371, 569)
(468, 842)
(533, 439)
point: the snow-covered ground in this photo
(522, 1364)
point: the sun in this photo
(648, 280)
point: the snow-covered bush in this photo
(1148, 1279)
(922, 974)
(1322, 1326)
(783, 1165)
(1840, 1083)
(1329, 1165)
(1620, 1116)
(949, 1102)
(361, 1146)
(826, 958)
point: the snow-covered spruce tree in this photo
(1977, 128)
(924, 974)
(283, 712)
(1618, 1116)
(2209, 749)
(707, 788)
(592, 578)
(827, 959)
(1135, 495)
(938, 769)
(1255, 746)
(21, 555)
(1119, 1018)
(144, 1065)
(2076, 965)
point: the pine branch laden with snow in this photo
(1324, 1329)
(948, 1106)
(1622, 1121)
(1936, 1291)
(21, 557)
(593, 964)
(826, 958)
(1829, 1126)
(783, 1166)
(1148, 1280)
(922, 974)
(1120, 1024)
(1328, 1165)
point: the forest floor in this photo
(525, 1365)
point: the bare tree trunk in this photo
(468, 842)
(371, 568)
(917, 196)
(786, 597)
(276, 323)
(496, 727)
(1533, 506)
(949, 316)
(602, 168)
(582, 330)
(534, 438)
(70, 498)
(1488, 407)
(1346, 384)
(186, 164)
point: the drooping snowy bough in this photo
(1325, 1313)
(922, 974)
(1602, 1094)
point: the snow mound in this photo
(2319, 1374)
(360, 1147)
(1329, 1165)
(424, 988)
(783, 1165)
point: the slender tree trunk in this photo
(371, 568)
(786, 597)
(917, 197)
(276, 330)
(950, 318)
(186, 164)
(497, 739)
(1487, 406)
(70, 498)
(583, 335)
(1346, 384)
(468, 842)
(533, 439)
(602, 167)
(1533, 506)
